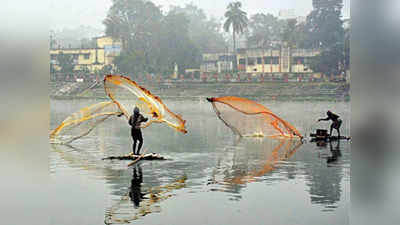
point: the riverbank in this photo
(326, 91)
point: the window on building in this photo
(297, 60)
(259, 60)
(242, 61)
(251, 61)
(86, 56)
(275, 60)
(271, 60)
(53, 56)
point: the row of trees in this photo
(153, 40)
(322, 30)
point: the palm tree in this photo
(236, 18)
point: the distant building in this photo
(219, 62)
(285, 14)
(261, 61)
(92, 59)
(283, 60)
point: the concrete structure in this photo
(89, 58)
(220, 62)
(283, 60)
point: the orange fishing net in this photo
(281, 152)
(248, 118)
(127, 94)
(81, 123)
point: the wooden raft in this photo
(148, 156)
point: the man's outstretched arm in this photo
(324, 119)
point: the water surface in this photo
(212, 177)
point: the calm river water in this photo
(211, 177)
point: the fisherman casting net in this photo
(127, 94)
(248, 118)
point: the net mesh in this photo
(127, 94)
(283, 150)
(81, 123)
(248, 118)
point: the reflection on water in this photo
(135, 193)
(324, 178)
(335, 151)
(137, 202)
(248, 160)
(208, 160)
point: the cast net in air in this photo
(127, 94)
(248, 118)
(81, 123)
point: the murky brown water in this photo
(211, 177)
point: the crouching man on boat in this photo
(336, 122)
(135, 121)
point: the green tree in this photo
(130, 63)
(168, 43)
(66, 62)
(264, 30)
(133, 22)
(325, 23)
(237, 19)
(302, 36)
(176, 45)
(288, 32)
(327, 61)
(204, 32)
(136, 23)
(327, 34)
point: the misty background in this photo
(88, 15)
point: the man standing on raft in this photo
(336, 122)
(135, 120)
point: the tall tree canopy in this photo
(152, 41)
(327, 34)
(176, 45)
(264, 30)
(288, 32)
(132, 22)
(204, 32)
(325, 23)
(235, 18)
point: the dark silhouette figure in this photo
(336, 122)
(335, 153)
(135, 120)
(135, 192)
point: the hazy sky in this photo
(73, 13)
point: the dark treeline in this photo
(153, 40)
(322, 30)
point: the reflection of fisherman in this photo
(335, 152)
(136, 183)
(336, 122)
(135, 120)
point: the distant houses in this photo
(257, 61)
(280, 62)
(91, 59)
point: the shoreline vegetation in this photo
(280, 91)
